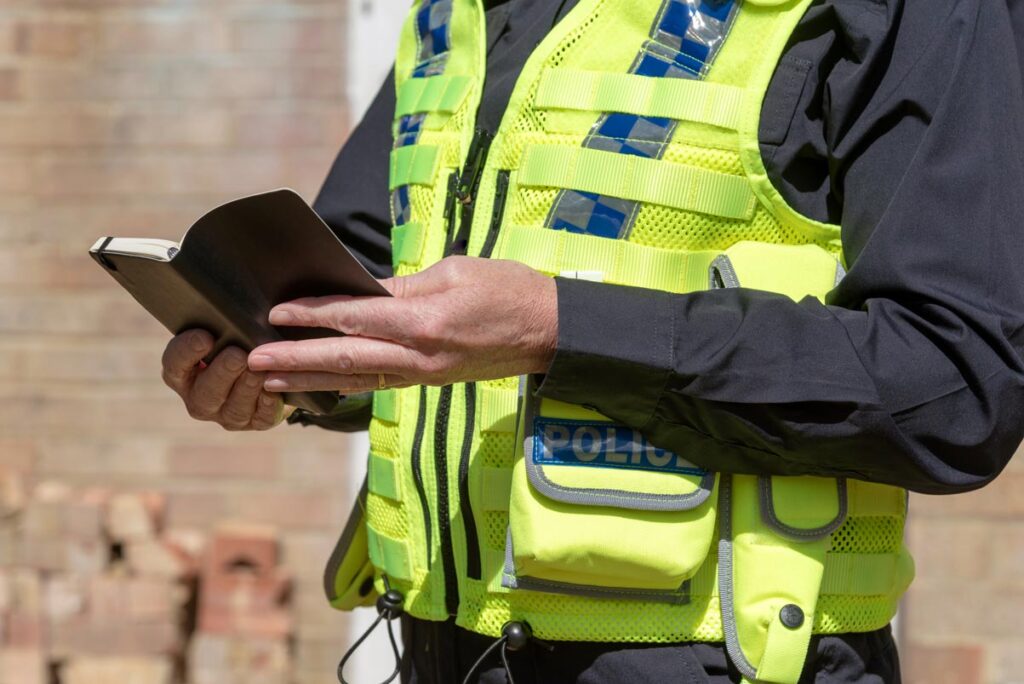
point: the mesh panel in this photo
(557, 617)
(869, 534)
(384, 437)
(387, 516)
(495, 523)
(497, 449)
(839, 614)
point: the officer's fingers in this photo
(345, 384)
(240, 407)
(214, 384)
(346, 355)
(269, 411)
(382, 317)
(180, 357)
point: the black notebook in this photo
(232, 266)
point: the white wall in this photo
(374, 26)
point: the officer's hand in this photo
(460, 320)
(224, 392)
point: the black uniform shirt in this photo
(900, 120)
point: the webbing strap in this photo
(407, 243)
(685, 99)
(440, 93)
(859, 574)
(495, 486)
(497, 409)
(619, 261)
(389, 554)
(385, 405)
(382, 476)
(413, 165)
(628, 176)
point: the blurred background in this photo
(140, 547)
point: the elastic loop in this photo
(682, 99)
(413, 165)
(640, 179)
(442, 93)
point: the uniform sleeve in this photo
(912, 373)
(354, 200)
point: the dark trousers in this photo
(441, 653)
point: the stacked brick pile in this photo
(94, 590)
(244, 621)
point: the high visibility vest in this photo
(628, 154)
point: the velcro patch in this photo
(602, 445)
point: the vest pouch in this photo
(348, 577)
(772, 555)
(596, 510)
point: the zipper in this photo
(462, 190)
(417, 467)
(497, 214)
(451, 581)
(463, 187)
(473, 570)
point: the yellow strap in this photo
(431, 94)
(859, 574)
(389, 554)
(785, 651)
(385, 405)
(685, 99)
(497, 409)
(382, 473)
(619, 261)
(636, 178)
(413, 165)
(407, 243)
(495, 487)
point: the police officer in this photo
(785, 243)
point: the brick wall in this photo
(133, 117)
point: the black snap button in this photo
(366, 587)
(791, 616)
(517, 635)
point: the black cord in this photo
(483, 656)
(389, 607)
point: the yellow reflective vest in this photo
(628, 154)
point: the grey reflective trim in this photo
(840, 273)
(725, 581)
(616, 498)
(721, 274)
(510, 580)
(796, 533)
(355, 521)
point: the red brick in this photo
(109, 669)
(252, 458)
(241, 548)
(8, 85)
(22, 666)
(51, 38)
(945, 664)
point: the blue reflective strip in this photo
(602, 445)
(683, 41)
(433, 23)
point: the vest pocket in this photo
(596, 510)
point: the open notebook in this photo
(232, 266)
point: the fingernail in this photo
(268, 401)
(198, 343)
(275, 385)
(261, 360)
(234, 363)
(253, 380)
(281, 317)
